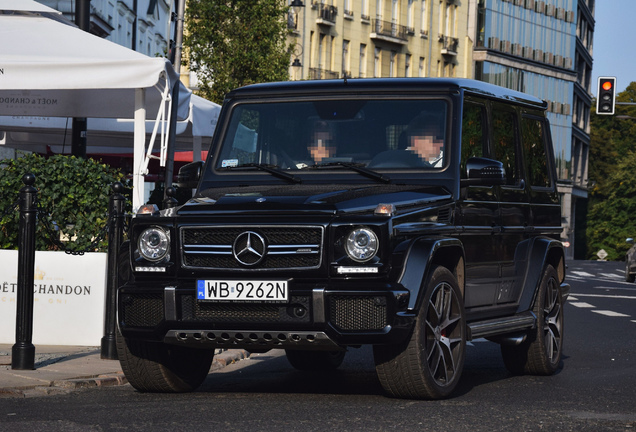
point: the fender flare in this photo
(544, 250)
(419, 257)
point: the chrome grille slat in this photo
(295, 247)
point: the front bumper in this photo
(316, 317)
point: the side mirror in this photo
(190, 174)
(484, 171)
(630, 240)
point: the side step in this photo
(483, 329)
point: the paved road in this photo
(595, 390)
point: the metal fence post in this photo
(23, 352)
(115, 237)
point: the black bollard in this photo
(170, 201)
(115, 236)
(23, 352)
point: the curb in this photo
(228, 357)
(220, 361)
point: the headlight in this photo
(154, 244)
(362, 244)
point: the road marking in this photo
(612, 275)
(606, 296)
(610, 313)
(572, 298)
(616, 288)
(582, 305)
(581, 273)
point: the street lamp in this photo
(297, 48)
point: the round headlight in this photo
(154, 244)
(362, 244)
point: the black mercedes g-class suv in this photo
(413, 215)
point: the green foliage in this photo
(73, 192)
(612, 198)
(232, 43)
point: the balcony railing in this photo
(389, 31)
(327, 14)
(317, 73)
(450, 45)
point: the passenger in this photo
(425, 138)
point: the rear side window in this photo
(534, 150)
(503, 134)
(473, 134)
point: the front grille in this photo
(297, 311)
(286, 247)
(358, 313)
(142, 310)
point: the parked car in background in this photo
(630, 262)
(412, 215)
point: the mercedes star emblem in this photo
(249, 248)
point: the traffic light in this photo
(606, 100)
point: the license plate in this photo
(242, 290)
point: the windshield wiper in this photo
(359, 168)
(272, 169)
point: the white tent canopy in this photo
(106, 135)
(50, 69)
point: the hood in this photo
(327, 199)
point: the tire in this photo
(629, 277)
(159, 368)
(429, 365)
(315, 360)
(541, 352)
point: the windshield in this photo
(336, 134)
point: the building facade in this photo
(379, 38)
(581, 109)
(543, 48)
(144, 26)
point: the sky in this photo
(614, 50)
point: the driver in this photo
(321, 145)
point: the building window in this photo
(362, 68)
(421, 69)
(424, 20)
(311, 49)
(346, 61)
(364, 12)
(393, 64)
(407, 65)
(377, 63)
(321, 50)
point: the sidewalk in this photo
(60, 369)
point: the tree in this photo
(612, 220)
(612, 198)
(232, 43)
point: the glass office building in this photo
(534, 46)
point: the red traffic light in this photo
(605, 100)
